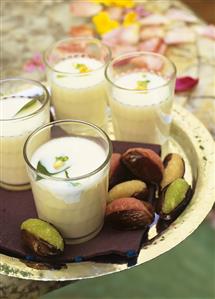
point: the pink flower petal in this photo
(29, 67)
(207, 30)
(181, 15)
(123, 49)
(122, 62)
(37, 58)
(154, 44)
(148, 63)
(141, 12)
(122, 36)
(70, 48)
(155, 19)
(115, 13)
(35, 63)
(151, 31)
(130, 35)
(180, 36)
(84, 8)
(112, 38)
(81, 30)
(162, 49)
(42, 67)
(185, 83)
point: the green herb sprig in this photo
(142, 85)
(27, 106)
(72, 183)
(42, 169)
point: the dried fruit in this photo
(145, 164)
(162, 225)
(133, 188)
(129, 213)
(174, 198)
(118, 171)
(41, 237)
(114, 163)
(174, 168)
(151, 197)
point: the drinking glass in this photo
(141, 90)
(75, 69)
(24, 106)
(68, 165)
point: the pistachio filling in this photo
(44, 231)
(142, 85)
(60, 161)
(83, 68)
(174, 195)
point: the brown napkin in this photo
(109, 245)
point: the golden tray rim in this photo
(198, 145)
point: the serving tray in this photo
(188, 138)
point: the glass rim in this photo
(104, 134)
(54, 45)
(136, 54)
(43, 87)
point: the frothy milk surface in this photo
(76, 208)
(140, 98)
(11, 105)
(68, 66)
(84, 155)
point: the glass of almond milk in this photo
(141, 89)
(75, 69)
(68, 165)
(24, 106)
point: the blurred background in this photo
(28, 27)
(203, 8)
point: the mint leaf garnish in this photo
(60, 76)
(67, 175)
(62, 158)
(75, 184)
(42, 169)
(27, 106)
(72, 183)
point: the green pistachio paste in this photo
(44, 231)
(174, 195)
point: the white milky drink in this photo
(75, 207)
(78, 90)
(19, 116)
(142, 113)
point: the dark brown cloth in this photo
(110, 244)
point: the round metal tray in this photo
(192, 140)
